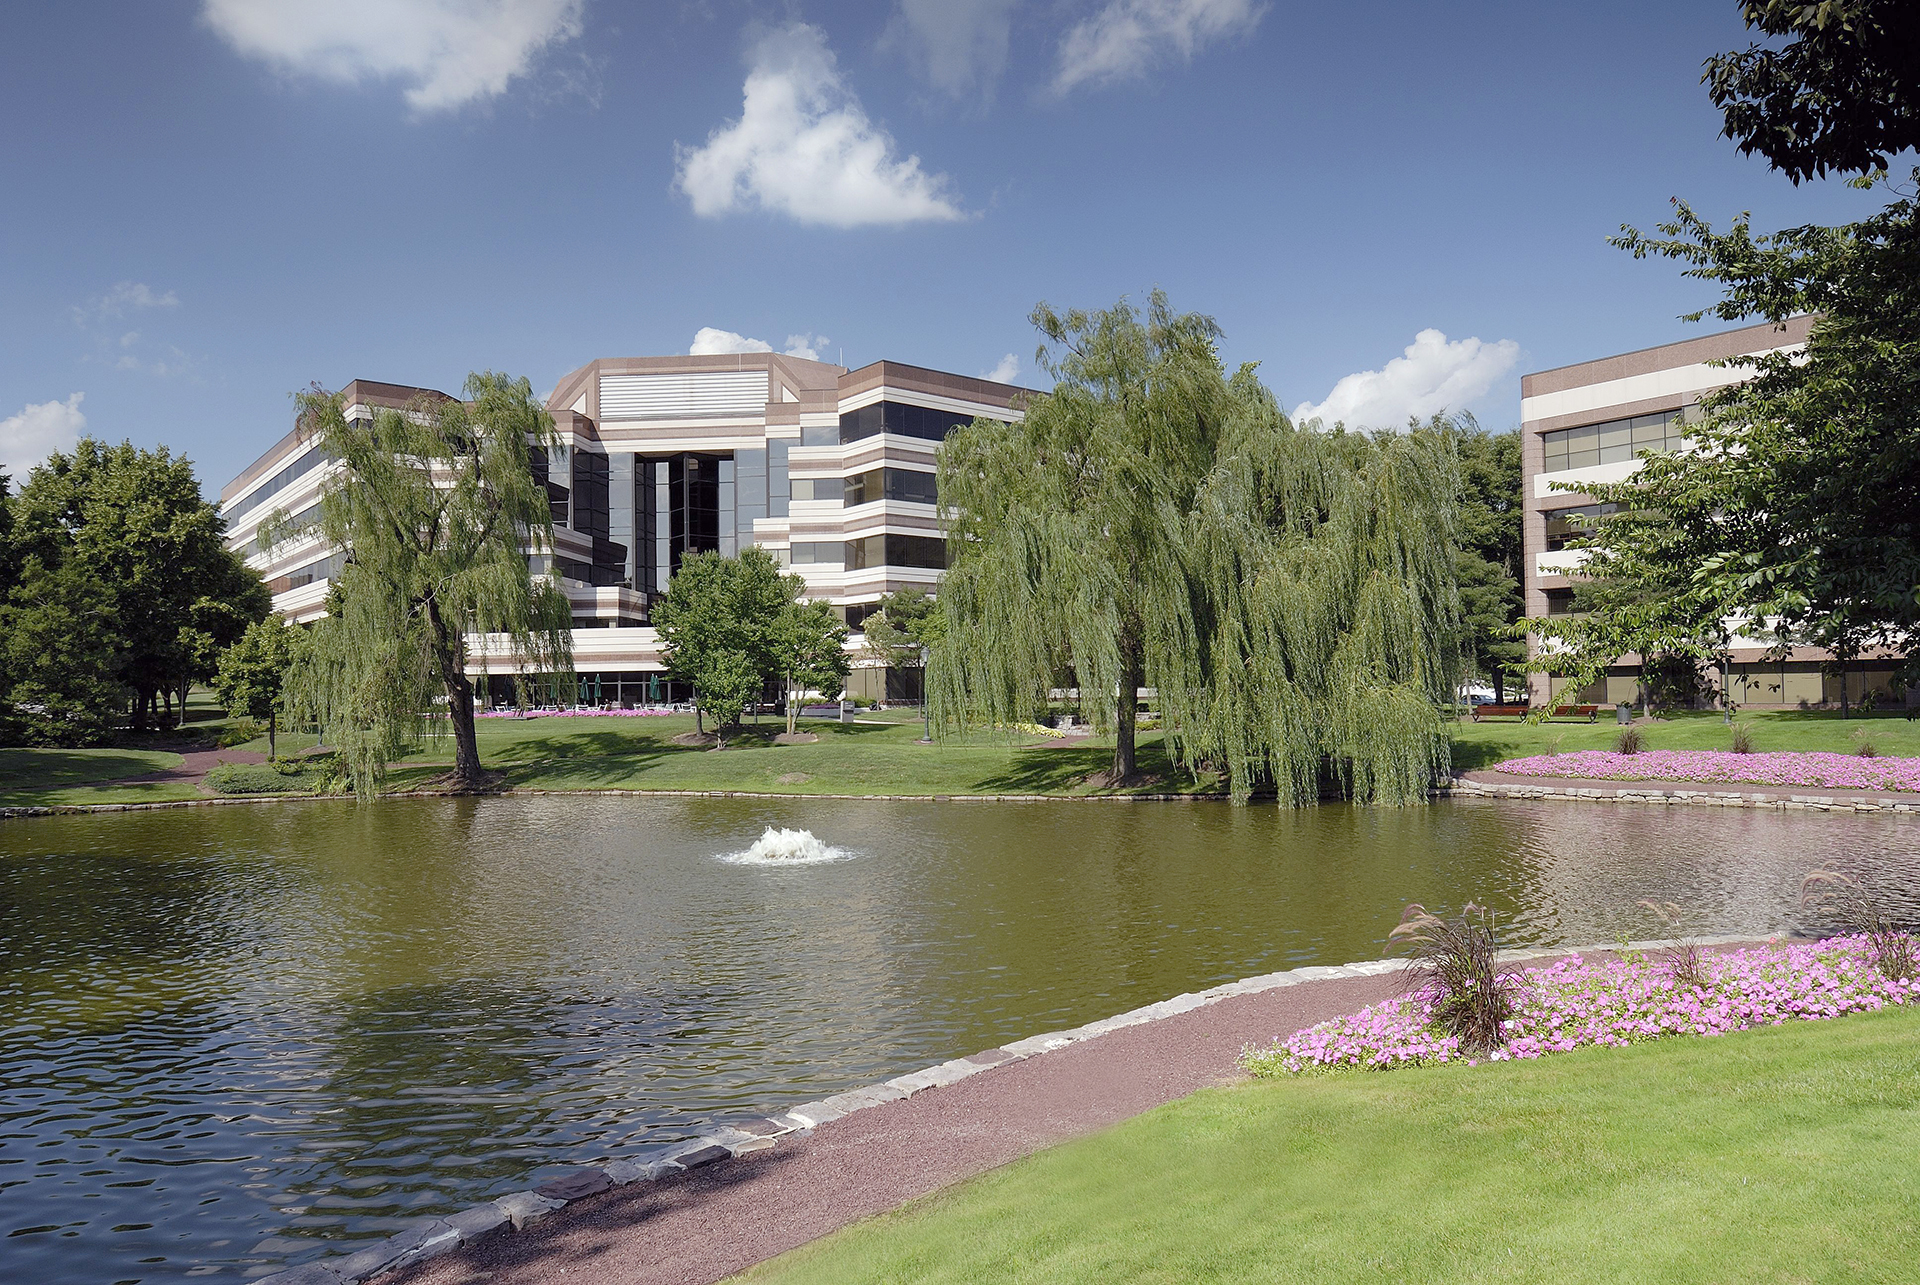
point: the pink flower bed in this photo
(1781, 768)
(577, 713)
(1574, 1002)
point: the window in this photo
(896, 551)
(1560, 602)
(1564, 525)
(818, 488)
(279, 480)
(899, 417)
(1614, 441)
(806, 554)
(890, 484)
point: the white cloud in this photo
(957, 45)
(805, 148)
(1128, 37)
(38, 431)
(710, 339)
(1006, 372)
(128, 296)
(1433, 375)
(448, 52)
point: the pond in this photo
(233, 1038)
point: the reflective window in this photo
(1564, 525)
(890, 484)
(279, 480)
(818, 488)
(896, 551)
(899, 417)
(1614, 441)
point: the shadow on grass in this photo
(1059, 769)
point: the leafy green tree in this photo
(1842, 93)
(723, 618)
(439, 510)
(811, 652)
(60, 654)
(902, 625)
(133, 521)
(252, 677)
(1487, 560)
(1152, 522)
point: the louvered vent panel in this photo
(718, 392)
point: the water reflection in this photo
(232, 1036)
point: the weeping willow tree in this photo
(438, 509)
(1153, 522)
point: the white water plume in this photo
(779, 846)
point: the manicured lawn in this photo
(46, 777)
(857, 758)
(1478, 745)
(1781, 1154)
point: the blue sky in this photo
(214, 203)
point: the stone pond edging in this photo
(1653, 792)
(1458, 787)
(434, 1236)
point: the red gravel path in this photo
(707, 1224)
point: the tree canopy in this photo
(252, 676)
(120, 563)
(439, 510)
(1487, 559)
(1289, 594)
(1842, 94)
(730, 625)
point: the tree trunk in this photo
(793, 707)
(467, 772)
(1125, 766)
(698, 729)
(273, 751)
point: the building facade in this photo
(829, 469)
(1592, 423)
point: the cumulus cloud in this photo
(448, 52)
(805, 148)
(1126, 38)
(1006, 372)
(957, 45)
(1433, 375)
(38, 431)
(710, 339)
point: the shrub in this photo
(1843, 896)
(1742, 739)
(1629, 741)
(1455, 974)
(1863, 744)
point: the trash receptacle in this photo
(846, 711)
(1623, 712)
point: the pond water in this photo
(239, 1037)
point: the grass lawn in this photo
(46, 777)
(1780, 1154)
(849, 758)
(1478, 745)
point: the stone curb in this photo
(1640, 793)
(432, 1237)
(1458, 787)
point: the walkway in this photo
(706, 1224)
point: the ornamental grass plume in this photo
(1863, 744)
(1456, 976)
(1742, 739)
(1686, 961)
(1629, 741)
(1843, 896)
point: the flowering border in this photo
(1814, 768)
(1627, 998)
